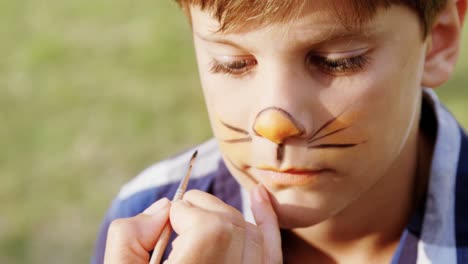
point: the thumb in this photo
(267, 222)
(130, 239)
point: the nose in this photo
(276, 125)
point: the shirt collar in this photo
(430, 235)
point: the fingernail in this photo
(157, 206)
(261, 194)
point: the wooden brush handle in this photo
(161, 244)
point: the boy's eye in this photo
(234, 67)
(338, 66)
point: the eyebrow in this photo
(325, 36)
(340, 34)
(217, 40)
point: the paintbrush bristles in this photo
(166, 233)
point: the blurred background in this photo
(91, 93)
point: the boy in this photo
(318, 110)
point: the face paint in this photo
(245, 135)
(280, 152)
(311, 141)
(277, 125)
(299, 110)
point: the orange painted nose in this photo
(276, 125)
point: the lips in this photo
(289, 177)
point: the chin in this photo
(298, 216)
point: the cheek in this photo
(227, 107)
(230, 123)
(389, 102)
(227, 98)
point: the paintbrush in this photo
(166, 233)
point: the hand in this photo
(211, 231)
(130, 239)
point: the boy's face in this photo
(315, 112)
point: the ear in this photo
(443, 44)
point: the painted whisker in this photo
(326, 135)
(233, 128)
(332, 146)
(322, 127)
(237, 140)
(329, 122)
(343, 145)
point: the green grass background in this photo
(92, 92)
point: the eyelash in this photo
(339, 66)
(236, 67)
(330, 66)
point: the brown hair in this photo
(233, 14)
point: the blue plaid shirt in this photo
(436, 233)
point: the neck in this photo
(369, 230)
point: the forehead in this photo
(317, 20)
(236, 15)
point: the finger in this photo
(130, 239)
(228, 220)
(253, 238)
(204, 236)
(253, 246)
(212, 203)
(267, 222)
(156, 206)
